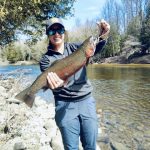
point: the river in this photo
(123, 94)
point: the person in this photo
(75, 106)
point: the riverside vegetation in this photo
(129, 40)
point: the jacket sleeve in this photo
(44, 63)
(99, 46)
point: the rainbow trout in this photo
(64, 68)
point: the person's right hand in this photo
(54, 81)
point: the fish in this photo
(64, 68)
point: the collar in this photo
(50, 49)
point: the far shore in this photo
(6, 63)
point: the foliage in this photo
(15, 51)
(80, 33)
(13, 54)
(126, 18)
(19, 51)
(38, 49)
(145, 31)
(112, 48)
(129, 17)
(134, 27)
(28, 16)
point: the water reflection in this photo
(123, 93)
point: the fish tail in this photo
(25, 97)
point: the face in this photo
(56, 34)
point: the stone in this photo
(118, 146)
(19, 146)
(50, 124)
(46, 147)
(2, 89)
(39, 102)
(56, 143)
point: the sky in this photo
(83, 10)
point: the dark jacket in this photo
(78, 86)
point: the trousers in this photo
(77, 120)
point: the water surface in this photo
(123, 93)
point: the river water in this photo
(123, 94)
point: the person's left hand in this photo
(104, 29)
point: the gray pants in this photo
(76, 119)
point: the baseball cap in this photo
(52, 21)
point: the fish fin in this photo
(25, 97)
(45, 88)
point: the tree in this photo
(145, 31)
(28, 16)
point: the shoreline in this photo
(21, 63)
(7, 63)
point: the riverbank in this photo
(111, 60)
(25, 128)
(5, 63)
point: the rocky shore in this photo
(22, 128)
(5, 63)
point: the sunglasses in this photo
(53, 31)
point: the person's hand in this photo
(54, 81)
(104, 29)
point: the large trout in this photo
(64, 68)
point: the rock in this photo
(44, 140)
(57, 143)
(45, 112)
(141, 60)
(13, 100)
(99, 132)
(3, 117)
(103, 139)
(118, 146)
(131, 52)
(39, 102)
(19, 146)
(46, 147)
(9, 145)
(81, 148)
(51, 128)
(97, 147)
(6, 129)
(2, 89)
(50, 124)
